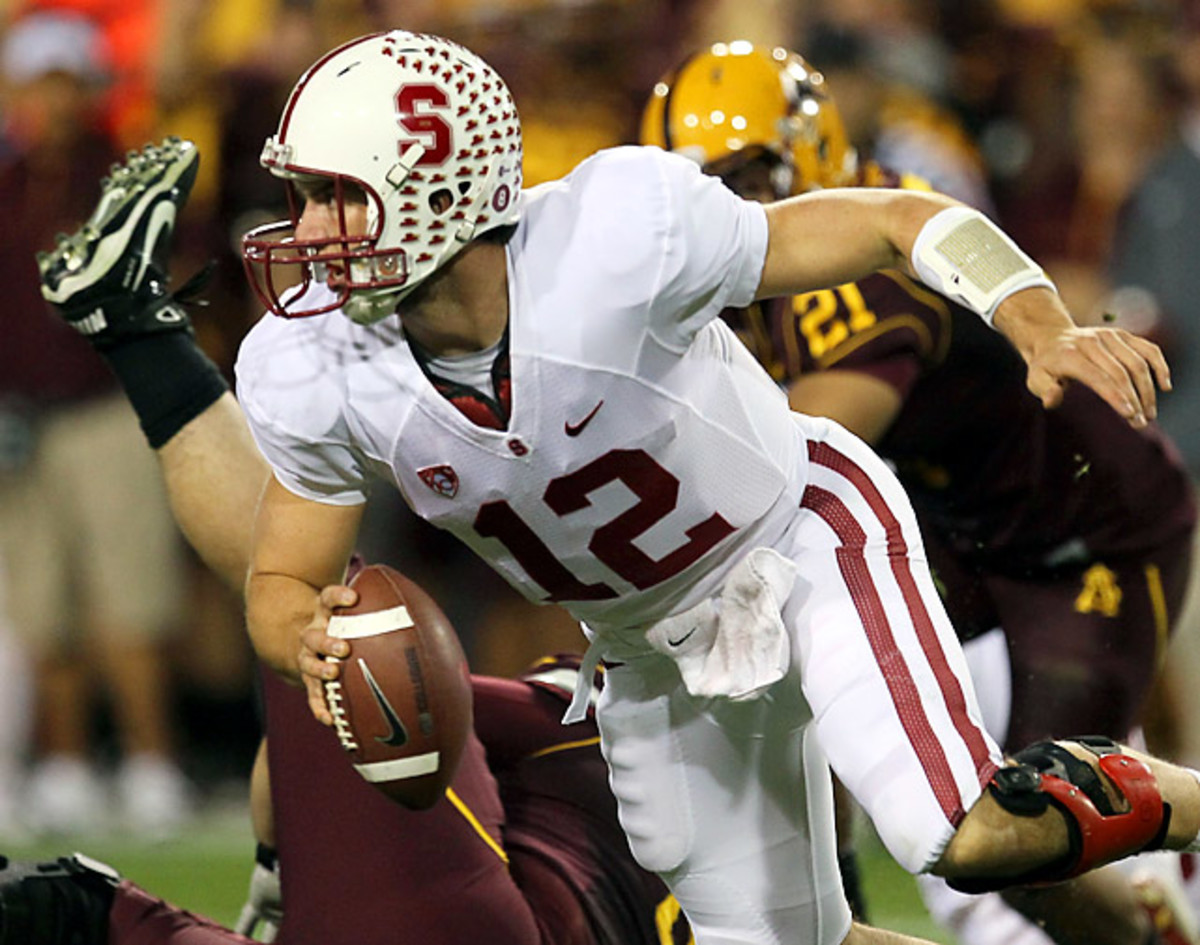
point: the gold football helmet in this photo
(735, 101)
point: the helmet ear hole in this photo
(441, 200)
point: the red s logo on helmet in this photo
(432, 130)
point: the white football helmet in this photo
(428, 131)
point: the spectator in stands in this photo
(83, 518)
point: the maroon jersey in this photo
(43, 361)
(1004, 484)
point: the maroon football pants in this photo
(1084, 647)
(359, 869)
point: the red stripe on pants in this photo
(853, 565)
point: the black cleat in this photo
(109, 278)
(64, 902)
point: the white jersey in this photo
(646, 448)
(646, 461)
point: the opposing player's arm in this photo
(864, 405)
(298, 562)
(835, 236)
(215, 475)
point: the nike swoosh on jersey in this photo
(397, 736)
(683, 639)
(574, 429)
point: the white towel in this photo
(737, 647)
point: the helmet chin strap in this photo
(367, 306)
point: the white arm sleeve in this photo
(324, 471)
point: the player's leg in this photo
(212, 469)
(881, 667)
(75, 899)
(729, 802)
(214, 476)
(922, 776)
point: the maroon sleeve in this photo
(138, 918)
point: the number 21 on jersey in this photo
(828, 317)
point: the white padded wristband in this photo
(966, 257)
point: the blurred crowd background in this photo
(1075, 123)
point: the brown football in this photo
(402, 703)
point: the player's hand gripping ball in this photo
(402, 703)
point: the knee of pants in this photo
(652, 794)
(791, 910)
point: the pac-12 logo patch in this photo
(441, 479)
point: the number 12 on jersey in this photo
(657, 491)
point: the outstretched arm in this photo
(1121, 367)
(830, 237)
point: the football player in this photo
(525, 848)
(1068, 528)
(753, 577)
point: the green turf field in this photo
(207, 869)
